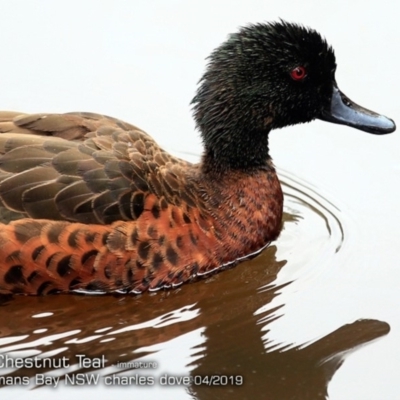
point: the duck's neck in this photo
(227, 150)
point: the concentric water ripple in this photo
(314, 232)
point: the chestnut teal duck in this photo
(91, 204)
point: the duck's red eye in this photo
(298, 73)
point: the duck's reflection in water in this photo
(224, 307)
(235, 347)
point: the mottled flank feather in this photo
(94, 204)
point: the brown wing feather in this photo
(91, 203)
(81, 167)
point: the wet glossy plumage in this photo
(90, 203)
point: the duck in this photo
(92, 204)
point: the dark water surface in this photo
(207, 340)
